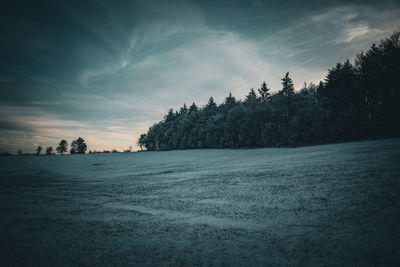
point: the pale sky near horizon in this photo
(108, 70)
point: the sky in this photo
(108, 70)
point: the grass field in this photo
(333, 204)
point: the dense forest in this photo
(356, 101)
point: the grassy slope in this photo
(330, 204)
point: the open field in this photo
(322, 205)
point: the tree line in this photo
(356, 101)
(78, 146)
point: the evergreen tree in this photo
(354, 102)
(287, 86)
(211, 105)
(183, 110)
(193, 108)
(230, 100)
(264, 92)
(251, 98)
(170, 116)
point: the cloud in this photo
(108, 69)
(349, 23)
(26, 127)
(213, 63)
(354, 32)
(154, 23)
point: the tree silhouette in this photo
(183, 110)
(39, 150)
(354, 102)
(286, 100)
(251, 98)
(142, 141)
(288, 87)
(62, 147)
(211, 105)
(230, 100)
(78, 146)
(193, 108)
(170, 116)
(49, 150)
(264, 92)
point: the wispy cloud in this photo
(349, 23)
(24, 128)
(353, 32)
(304, 62)
(107, 69)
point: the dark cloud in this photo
(13, 126)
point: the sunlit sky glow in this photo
(107, 70)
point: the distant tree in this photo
(19, 152)
(49, 150)
(142, 141)
(114, 151)
(264, 92)
(353, 102)
(183, 110)
(193, 108)
(211, 105)
(251, 98)
(39, 150)
(286, 98)
(73, 148)
(170, 116)
(230, 100)
(287, 86)
(62, 147)
(78, 146)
